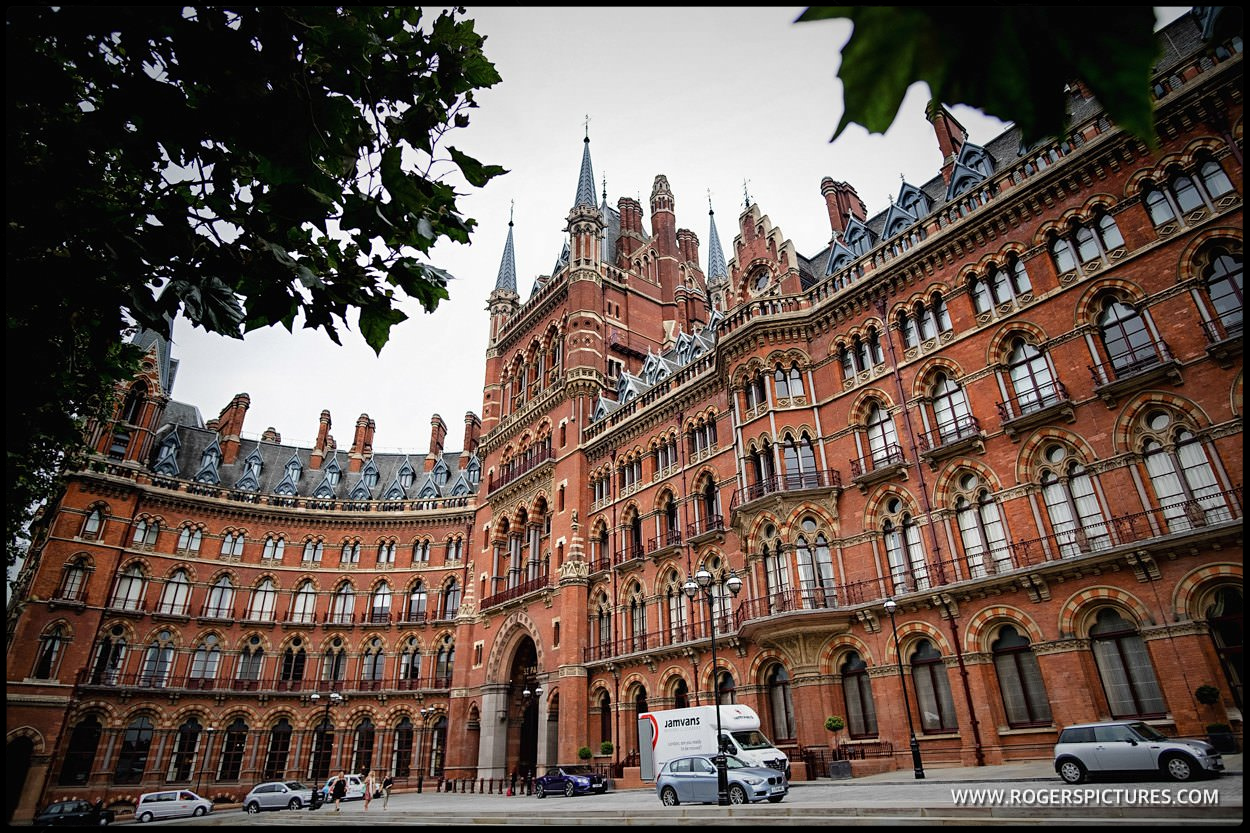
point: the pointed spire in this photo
(586, 179)
(716, 268)
(507, 266)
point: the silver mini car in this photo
(1131, 746)
(277, 795)
(693, 779)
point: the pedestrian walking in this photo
(370, 786)
(339, 791)
(387, 783)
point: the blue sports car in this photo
(570, 781)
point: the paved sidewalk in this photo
(1020, 771)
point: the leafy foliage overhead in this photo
(1011, 62)
(241, 166)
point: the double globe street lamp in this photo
(332, 700)
(917, 766)
(703, 583)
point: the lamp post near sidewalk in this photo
(917, 766)
(323, 754)
(208, 748)
(702, 583)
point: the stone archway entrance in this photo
(523, 710)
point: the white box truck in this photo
(673, 733)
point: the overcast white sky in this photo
(707, 96)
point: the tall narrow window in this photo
(1128, 676)
(80, 753)
(128, 594)
(344, 605)
(204, 662)
(401, 762)
(93, 524)
(232, 748)
(74, 579)
(980, 529)
(1020, 680)
(174, 594)
(1125, 338)
(264, 598)
(451, 599)
(278, 752)
(48, 656)
(861, 710)
(186, 746)
(933, 689)
(220, 602)
(1032, 381)
(1223, 285)
(780, 704)
(908, 567)
(1225, 617)
(882, 440)
(950, 409)
(417, 603)
(1076, 516)
(132, 759)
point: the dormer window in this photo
(370, 475)
(294, 470)
(406, 477)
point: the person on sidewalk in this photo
(387, 783)
(339, 792)
(370, 786)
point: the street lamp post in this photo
(917, 766)
(208, 748)
(332, 700)
(702, 583)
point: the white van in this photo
(676, 733)
(171, 804)
(355, 786)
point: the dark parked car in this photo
(694, 780)
(570, 781)
(73, 813)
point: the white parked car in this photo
(171, 804)
(1131, 746)
(355, 786)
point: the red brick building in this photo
(1011, 403)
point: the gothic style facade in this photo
(1011, 403)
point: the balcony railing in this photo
(669, 538)
(1033, 401)
(1218, 332)
(797, 481)
(951, 433)
(1119, 532)
(524, 464)
(629, 554)
(878, 461)
(1131, 364)
(712, 523)
(86, 677)
(522, 589)
(673, 635)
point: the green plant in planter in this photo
(835, 723)
(584, 753)
(606, 748)
(1208, 695)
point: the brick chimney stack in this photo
(319, 448)
(631, 237)
(438, 435)
(688, 244)
(472, 430)
(362, 444)
(231, 426)
(950, 136)
(841, 198)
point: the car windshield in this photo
(733, 762)
(295, 785)
(578, 770)
(751, 740)
(1146, 732)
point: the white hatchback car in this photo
(1131, 746)
(171, 804)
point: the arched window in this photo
(84, 741)
(908, 569)
(313, 551)
(951, 413)
(128, 594)
(780, 706)
(322, 749)
(251, 661)
(882, 439)
(1020, 680)
(185, 751)
(637, 620)
(220, 602)
(158, 659)
(800, 462)
(386, 553)
(410, 663)
(1032, 380)
(294, 662)
(980, 528)
(264, 598)
(681, 695)
(815, 565)
(1128, 676)
(110, 653)
(362, 746)
(304, 608)
(334, 660)
(1181, 475)
(1222, 279)
(444, 663)
(204, 661)
(777, 574)
(373, 662)
(232, 545)
(1076, 518)
(93, 525)
(677, 614)
(1226, 618)
(343, 605)
(145, 534)
(451, 599)
(1126, 338)
(232, 748)
(762, 468)
(380, 604)
(74, 579)
(416, 603)
(728, 689)
(189, 539)
(132, 759)
(401, 760)
(933, 689)
(603, 624)
(605, 717)
(48, 656)
(278, 751)
(174, 594)
(274, 548)
(350, 553)
(861, 710)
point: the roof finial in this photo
(511, 209)
(709, 202)
(605, 186)
(587, 139)
(746, 195)
(901, 178)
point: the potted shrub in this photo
(606, 748)
(838, 768)
(584, 753)
(1220, 735)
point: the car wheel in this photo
(145, 817)
(568, 790)
(737, 795)
(539, 791)
(773, 799)
(295, 804)
(103, 821)
(199, 811)
(1179, 767)
(1072, 771)
(668, 797)
(253, 808)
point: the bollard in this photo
(420, 778)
